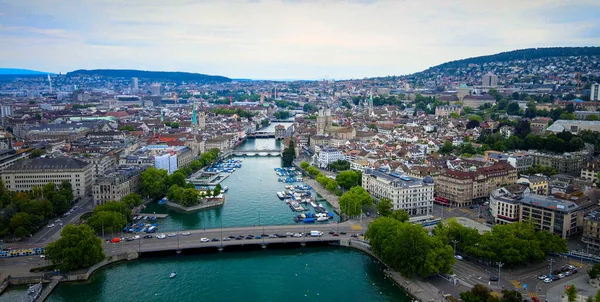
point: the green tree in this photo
(289, 154)
(78, 247)
(571, 292)
(115, 206)
(408, 249)
(217, 190)
(400, 215)
(132, 200)
(339, 165)
(479, 293)
(384, 207)
(177, 178)
(447, 148)
(304, 165)
(351, 202)
(112, 222)
(175, 125)
(592, 117)
(154, 182)
(594, 272)
(347, 179)
(511, 296)
(313, 171)
(37, 153)
(597, 297)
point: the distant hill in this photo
(153, 75)
(18, 71)
(521, 54)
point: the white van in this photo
(316, 234)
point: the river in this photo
(304, 274)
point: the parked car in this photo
(547, 280)
(459, 257)
(560, 276)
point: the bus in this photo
(425, 221)
(441, 200)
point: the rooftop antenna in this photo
(50, 82)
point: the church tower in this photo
(371, 104)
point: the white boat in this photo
(280, 195)
(172, 275)
(321, 219)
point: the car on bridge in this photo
(226, 239)
(204, 240)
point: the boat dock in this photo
(46, 292)
(151, 215)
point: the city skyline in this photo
(281, 39)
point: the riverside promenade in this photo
(330, 197)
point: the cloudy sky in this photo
(282, 39)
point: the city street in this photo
(47, 234)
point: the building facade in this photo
(547, 213)
(115, 185)
(413, 195)
(327, 156)
(595, 92)
(567, 163)
(462, 188)
(29, 173)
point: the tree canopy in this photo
(407, 248)
(78, 247)
(351, 202)
(289, 154)
(347, 179)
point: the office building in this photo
(29, 173)
(116, 184)
(489, 80)
(413, 195)
(567, 163)
(546, 212)
(135, 85)
(156, 89)
(595, 92)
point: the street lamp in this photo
(500, 264)
(551, 261)
(455, 242)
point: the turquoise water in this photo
(304, 274)
(251, 199)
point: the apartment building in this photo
(29, 173)
(462, 188)
(591, 230)
(590, 171)
(116, 184)
(547, 213)
(537, 184)
(567, 163)
(413, 195)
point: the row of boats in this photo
(291, 172)
(298, 198)
(309, 217)
(140, 227)
(228, 166)
(151, 218)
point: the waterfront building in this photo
(279, 131)
(413, 195)
(116, 184)
(546, 212)
(29, 173)
(462, 188)
(328, 155)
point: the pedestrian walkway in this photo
(532, 294)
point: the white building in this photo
(329, 155)
(413, 195)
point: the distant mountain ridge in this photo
(19, 71)
(153, 75)
(520, 54)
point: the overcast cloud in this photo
(285, 39)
